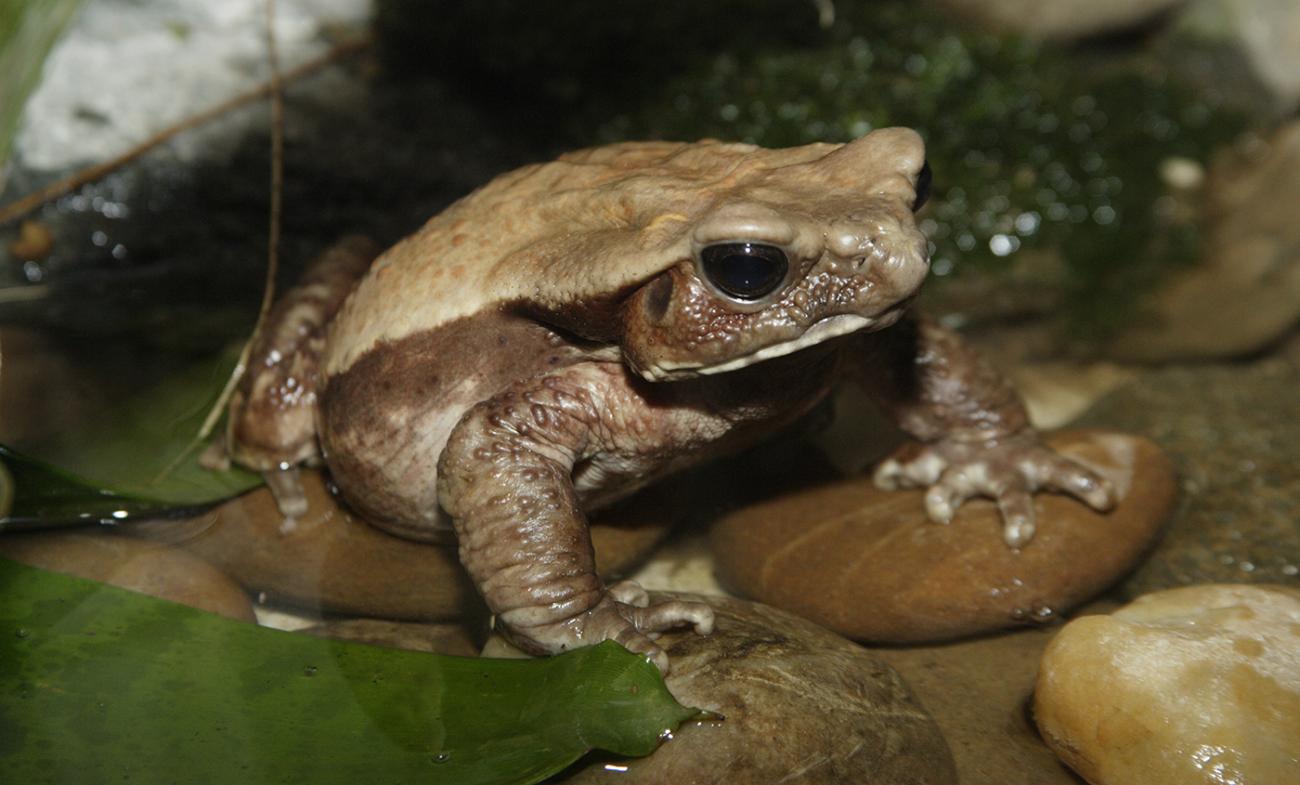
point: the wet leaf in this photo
(98, 684)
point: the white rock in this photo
(125, 70)
(1193, 685)
(1061, 19)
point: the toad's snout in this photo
(852, 243)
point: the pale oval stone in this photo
(1193, 685)
(1061, 19)
(149, 568)
(331, 560)
(870, 565)
(800, 703)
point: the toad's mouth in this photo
(821, 330)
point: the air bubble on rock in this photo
(33, 272)
(22, 633)
(441, 757)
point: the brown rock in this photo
(331, 560)
(1249, 281)
(149, 568)
(454, 639)
(1193, 685)
(801, 704)
(1231, 431)
(870, 565)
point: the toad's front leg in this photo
(506, 478)
(975, 436)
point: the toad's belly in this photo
(383, 422)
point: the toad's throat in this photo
(822, 330)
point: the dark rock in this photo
(149, 568)
(870, 565)
(1232, 432)
(801, 704)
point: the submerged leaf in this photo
(98, 684)
(143, 459)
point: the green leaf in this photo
(28, 28)
(99, 685)
(142, 459)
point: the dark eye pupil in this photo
(922, 187)
(745, 271)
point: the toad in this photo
(574, 330)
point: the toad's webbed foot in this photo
(624, 614)
(1007, 470)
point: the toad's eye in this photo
(922, 187)
(744, 271)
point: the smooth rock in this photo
(1193, 685)
(1245, 294)
(1232, 432)
(149, 568)
(869, 564)
(331, 560)
(452, 639)
(1061, 19)
(800, 705)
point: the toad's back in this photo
(583, 227)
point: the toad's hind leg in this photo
(271, 426)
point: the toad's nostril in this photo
(846, 243)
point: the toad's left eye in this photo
(744, 271)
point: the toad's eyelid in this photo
(746, 223)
